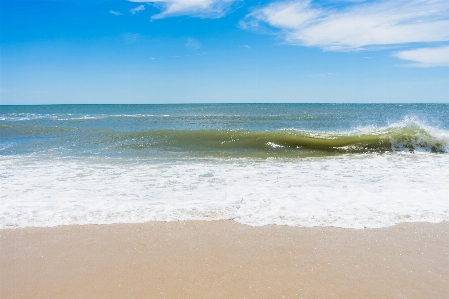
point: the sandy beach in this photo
(224, 259)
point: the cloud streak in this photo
(130, 38)
(426, 57)
(115, 13)
(355, 26)
(137, 9)
(193, 44)
(195, 8)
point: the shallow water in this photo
(346, 165)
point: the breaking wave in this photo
(409, 138)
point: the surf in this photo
(393, 139)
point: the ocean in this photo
(343, 165)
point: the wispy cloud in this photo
(115, 13)
(130, 38)
(137, 9)
(195, 8)
(356, 25)
(426, 57)
(245, 46)
(193, 44)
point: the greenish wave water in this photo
(285, 141)
(224, 130)
(243, 143)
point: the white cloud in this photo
(426, 57)
(356, 25)
(137, 9)
(196, 8)
(193, 44)
(116, 13)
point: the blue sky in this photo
(194, 51)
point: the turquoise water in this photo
(345, 165)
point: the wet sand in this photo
(224, 259)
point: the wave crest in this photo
(410, 138)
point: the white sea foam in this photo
(26, 116)
(68, 116)
(434, 137)
(344, 191)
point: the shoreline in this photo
(224, 259)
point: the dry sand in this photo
(224, 259)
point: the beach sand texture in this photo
(224, 259)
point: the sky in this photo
(226, 51)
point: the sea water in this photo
(345, 165)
